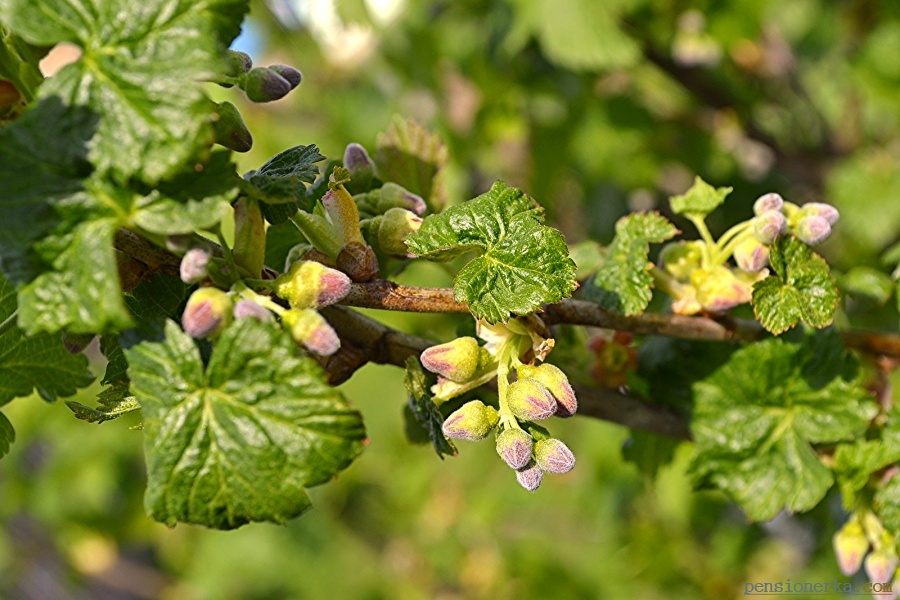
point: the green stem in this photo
(9, 322)
(725, 252)
(726, 237)
(700, 224)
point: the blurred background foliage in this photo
(596, 109)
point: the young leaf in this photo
(800, 289)
(757, 416)
(522, 264)
(855, 463)
(410, 155)
(238, 440)
(19, 67)
(39, 362)
(7, 435)
(423, 409)
(700, 200)
(623, 283)
(887, 505)
(280, 183)
(140, 70)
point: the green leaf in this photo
(801, 288)
(522, 264)
(856, 463)
(112, 405)
(700, 200)
(887, 505)
(423, 410)
(279, 241)
(410, 155)
(238, 440)
(141, 69)
(757, 417)
(39, 362)
(19, 65)
(280, 184)
(7, 435)
(868, 282)
(623, 283)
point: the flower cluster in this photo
(537, 392)
(697, 274)
(853, 542)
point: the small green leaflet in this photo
(424, 412)
(757, 416)
(239, 440)
(141, 72)
(7, 435)
(700, 200)
(280, 184)
(854, 464)
(410, 155)
(801, 288)
(623, 283)
(522, 264)
(39, 362)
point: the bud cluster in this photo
(852, 544)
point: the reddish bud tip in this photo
(514, 447)
(208, 311)
(530, 400)
(309, 284)
(850, 546)
(751, 255)
(767, 202)
(309, 328)
(821, 209)
(553, 456)
(556, 381)
(456, 360)
(880, 566)
(812, 230)
(472, 421)
(356, 158)
(768, 226)
(530, 477)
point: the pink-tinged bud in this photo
(553, 456)
(456, 360)
(309, 284)
(194, 266)
(392, 195)
(850, 546)
(717, 289)
(358, 261)
(880, 565)
(751, 255)
(768, 226)
(292, 75)
(208, 311)
(75, 343)
(812, 230)
(264, 85)
(356, 158)
(396, 224)
(556, 381)
(530, 477)
(767, 202)
(309, 328)
(530, 400)
(343, 214)
(680, 259)
(248, 309)
(514, 447)
(820, 209)
(472, 421)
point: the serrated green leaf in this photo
(141, 69)
(868, 282)
(410, 155)
(700, 200)
(39, 362)
(623, 282)
(280, 184)
(424, 411)
(757, 416)
(801, 288)
(110, 407)
(241, 439)
(522, 264)
(7, 435)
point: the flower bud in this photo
(472, 421)
(392, 195)
(249, 236)
(237, 63)
(850, 546)
(309, 328)
(530, 477)
(456, 360)
(396, 224)
(248, 309)
(361, 166)
(553, 456)
(265, 85)
(680, 259)
(768, 226)
(309, 284)
(880, 565)
(812, 230)
(556, 381)
(514, 447)
(767, 202)
(208, 311)
(530, 400)
(194, 266)
(75, 343)
(358, 261)
(229, 128)
(292, 75)
(751, 255)
(820, 209)
(718, 289)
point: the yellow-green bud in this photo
(680, 259)
(812, 230)
(718, 289)
(530, 400)
(392, 195)
(395, 225)
(456, 360)
(309, 284)
(880, 565)
(768, 226)
(309, 328)
(751, 255)
(556, 381)
(208, 312)
(553, 456)
(850, 546)
(472, 421)
(514, 447)
(530, 477)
